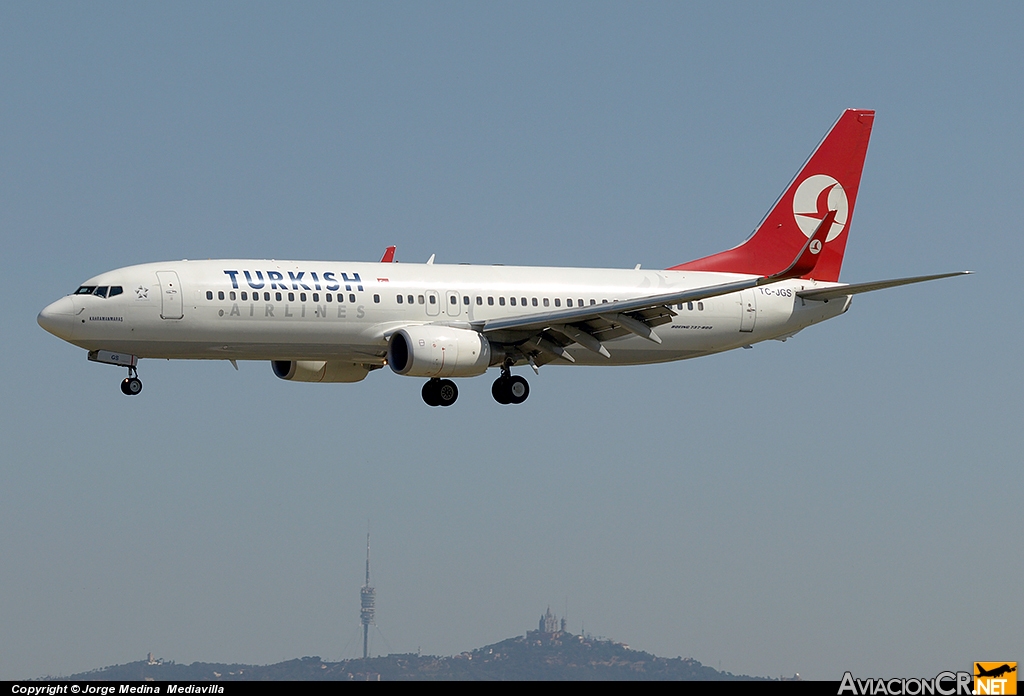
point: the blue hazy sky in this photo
(847, 500)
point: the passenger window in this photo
(534, 301)
(410, 299)
(245, 295)
(465, 299)
(689, 306)
(479, 300)
(266, 296)
(433, 299)
(352, 297)
(579, 303)
(490, 300)
(700, 306)
(419, 298)
(501, 301)
(220, 294)
(568, 303)
(330, 298)
(512, 301)
(115, 290)
(454, 299)
(232, 295)
(399, 299)
(291, 297)
(277, 296)
(593, 302)
(302, 297)
(545, 302)
(558, 302)
(376, 299)
(101, 291)
(316, 297)
(209, 294)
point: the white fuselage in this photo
(313, 310)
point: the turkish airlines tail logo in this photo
(812, 200)
(826, 184)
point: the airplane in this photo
(994, 672)
(320, 321)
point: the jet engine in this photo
(319, 370)
(438, 351)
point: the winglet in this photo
(389, 255)
(807, 259)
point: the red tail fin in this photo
(827, 182)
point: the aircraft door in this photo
(748, 310)
(170, 295)
(433, 303)
(453, 304)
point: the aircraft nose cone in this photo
(58, 318)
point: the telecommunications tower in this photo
(367, 597)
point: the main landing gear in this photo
(131, 385)
(509, 388)
(440, 392)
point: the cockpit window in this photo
(100, 291)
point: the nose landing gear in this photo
(440, 392)
(131, 385)
(509, 388)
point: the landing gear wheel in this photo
(447, 392)
(131, 386)
(431, 392)
(500, 392)
(509, 389)
(518, 389)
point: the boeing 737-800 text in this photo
(336, 322)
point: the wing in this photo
(590, 326)
(543, 337)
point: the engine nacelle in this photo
(438, 351)
(319, 370)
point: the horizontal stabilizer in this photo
(846, 290)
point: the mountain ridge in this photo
(554, 656)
